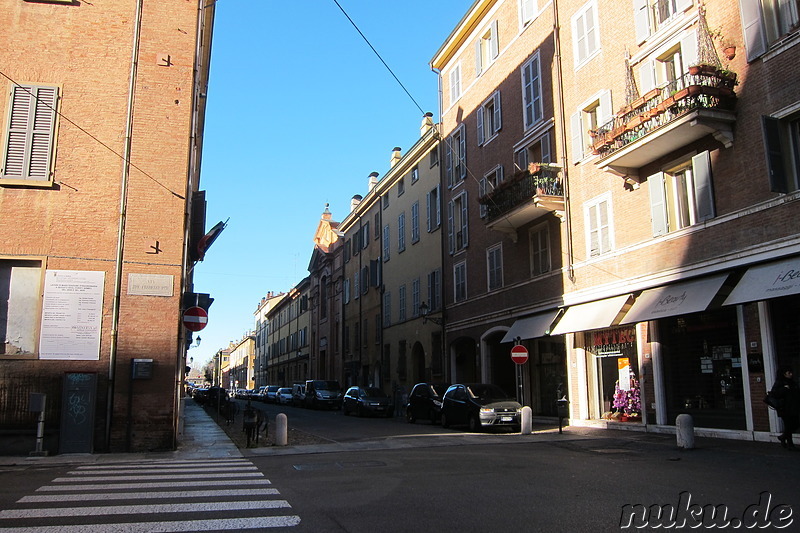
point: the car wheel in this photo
(474, 423)
(410, 416)
(445, 421)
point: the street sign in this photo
(519, 354)
(195, 318)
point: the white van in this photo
(298, 394)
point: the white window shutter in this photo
(497, 113)
(31, 127)
(482, 192)
(605, 111)
(436, 206)
(689, 50)
(683, 5)
(545, 142)
(428, 203)
(451, 227)
(465, 218)
(495, 42)
(462, 151)
(641, 20)
(658, 204)
(703, 189)
(478, 58)
(755, 38)
(647, 76)
(576, 129)
(448, 160)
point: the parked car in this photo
(425, 402)
(271, 393)
(298, 394)
(284, 396)
(367, 401)
(323, 393)
(241, 394)
(259, 394)
(479, 405)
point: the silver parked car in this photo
(478, 406)
(284, 396)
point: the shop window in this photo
(615, 372)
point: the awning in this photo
(770, 280)
(592, 315)
(679, 298)
(531, 327)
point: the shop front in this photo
(613, 372)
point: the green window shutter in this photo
(31, 126)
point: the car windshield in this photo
(273, 388)
(374, 392)
(485, 392)
(326, 385)
(284, 391)
(437, 391)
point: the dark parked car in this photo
(367, 401)
(323, 393)
(479, 405)
(271, 393)
(425, 402)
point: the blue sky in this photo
(300, 112)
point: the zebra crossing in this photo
(153, 496)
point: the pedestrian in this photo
(249, 422)
(787, 392)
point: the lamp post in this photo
(424, 312)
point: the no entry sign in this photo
(196, 318)
(519, 354)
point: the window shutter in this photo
(448, 160)
(462, 151)
(497, 113)
(640, 17)
(478, 63)
(658, 204)
(482, 192)
(683, 5)
(436, 205)
(464, 219)
(481, 111)
(428, 203)
(689, 50)
(754, 37)
(375, 272)
(576, 129)
(451, 227)
(605, 112)
(703, 187)
(495, 42)
(545, 144)
(772, 141)
(647, 76)
(29, 144)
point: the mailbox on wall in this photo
(142, 369)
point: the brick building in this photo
(102, 108)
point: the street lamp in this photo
(424, 311)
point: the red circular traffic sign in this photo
(195, 318)
(519, 354)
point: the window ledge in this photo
(27, 184)
(782, 45)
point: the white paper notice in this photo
(72, 314)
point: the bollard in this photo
(526, 426)
(684, 430)
(281, 430)
(562, 408)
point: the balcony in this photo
(700, 103)
(526, 196)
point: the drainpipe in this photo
(563, 126)
(126, 170)
(442, 244)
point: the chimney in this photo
(373, 180)
(396, 156)
(354, 202)
(427, 124)
(326, 215)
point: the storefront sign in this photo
(763, 282)
(612, 341)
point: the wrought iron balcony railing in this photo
(540, 179)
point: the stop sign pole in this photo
(519, 354)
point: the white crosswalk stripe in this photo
(194, 497)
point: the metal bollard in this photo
(281, 430)
(526, 426)
(684, 430)
(562, 407)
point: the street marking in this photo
(153, 477)
(145, 495)
(156, 462)
(153, 485)
(166, 527)
(150, 470)
(142, 509)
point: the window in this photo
(356, 286)
(377, 225)
(401, 187)
(434, 157)
(346, 251)
(434, 211)
(586, 34)
(782, 140)
(487, 184)
(385, 201)
(767, 23)
(527, 11)
(682, 195)
(539, 240)
(667, 68)
(591, 116)
(414, 175)
(387, 309)
(486, 49)
(532, 92)
(458, 224)
(434, 289)
(365, 279)
(494, 267)
(536, 152)
(455, 84)
(30, 131)
(401, 297)
(415, 295)
(460, 281)
(598, 226)
(415, 222)
(456, 157)
(401, 232)
(489, 119)
(20, 284)
(386, 246)
(652, 15)
(365, 235)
